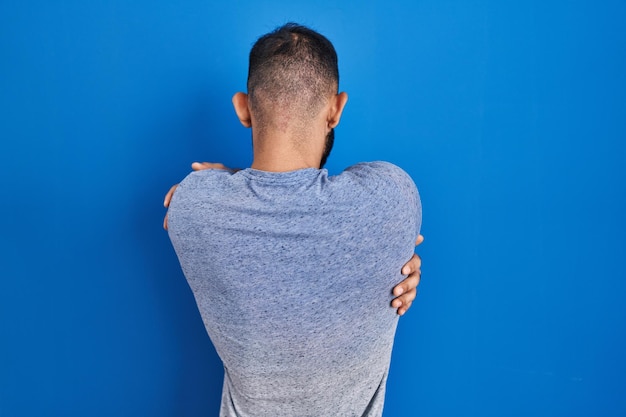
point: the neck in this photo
(278, 151)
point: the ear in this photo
(240, 103)
(338, 102)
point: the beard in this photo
(328, 146)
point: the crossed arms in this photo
(405, 292)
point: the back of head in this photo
(292, 73)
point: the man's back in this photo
(269, 257)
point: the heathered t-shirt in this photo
(292, 273)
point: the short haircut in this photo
(292, 70)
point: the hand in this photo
(196, 166)
(166, 203)
(406, 291)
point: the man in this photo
(269, 251)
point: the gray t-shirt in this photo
(292, 273)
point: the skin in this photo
(279, 146)
(282, 145)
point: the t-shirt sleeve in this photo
(394, 177)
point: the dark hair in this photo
(292, 69)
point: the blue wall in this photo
(510, 116)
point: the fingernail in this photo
(405, 271)
(400, 291)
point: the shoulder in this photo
(389, 181)
(376, 169)
(381, 173)
(387, 187)
(202, 177)
(200, 184)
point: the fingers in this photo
(419, 240)
(410, 283)
(199, 166)
(166, 202)
(406, 291)
(168, 196)
(404, 302)
(414, 264)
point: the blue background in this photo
(510, 116)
